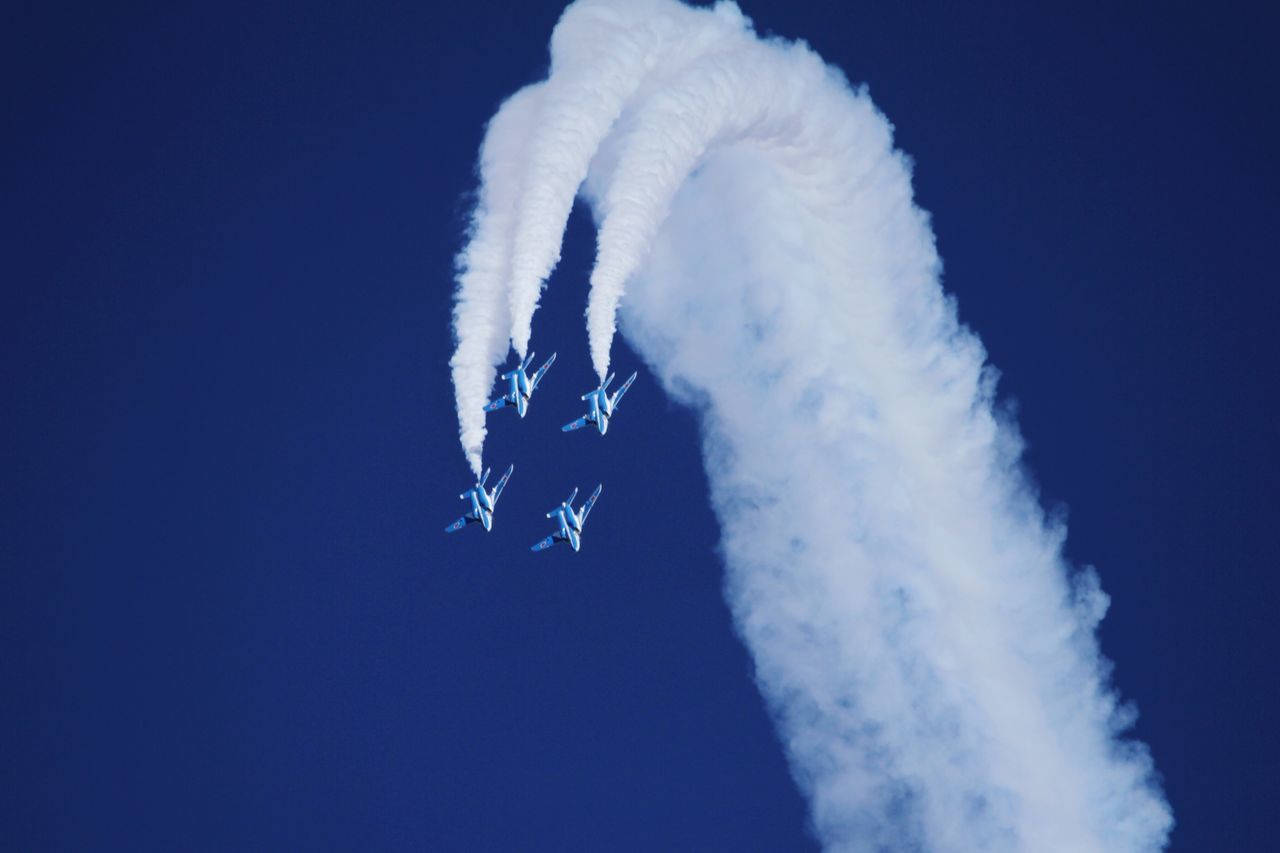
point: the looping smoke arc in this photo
(930, 660)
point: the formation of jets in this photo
(601, 406)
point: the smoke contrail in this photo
(929, 658)
(598, 59)
(480, 311)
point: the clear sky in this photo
(231, 618)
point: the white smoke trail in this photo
(534, 159)
(595, 65)
(934, 673)
(480, 313)
(601, 54)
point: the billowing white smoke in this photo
(934, 673)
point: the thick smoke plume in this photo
(929, 658)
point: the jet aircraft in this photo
(570, 522)
(601, 406)
(482, 502)
(521, 386)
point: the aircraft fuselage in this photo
(521, 390)
(481, 508)
(482, 502)
(600, 409)
(570, 526)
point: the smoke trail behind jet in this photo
(480, 310)
(929, 658)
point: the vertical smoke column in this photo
(598, 59)
(929, 658)
(480, 314)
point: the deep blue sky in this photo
(230, 617)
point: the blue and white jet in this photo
(482, 502)
(521, 386)
(602, 406)
(570, 522)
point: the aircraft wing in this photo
(497, 490)
(537, 377)
(617, 398)
(496, 404)
(544, 544)
(578, 424)
(457, 525)
(586, 507)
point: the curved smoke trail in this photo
(480, 312)
(933, 671)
